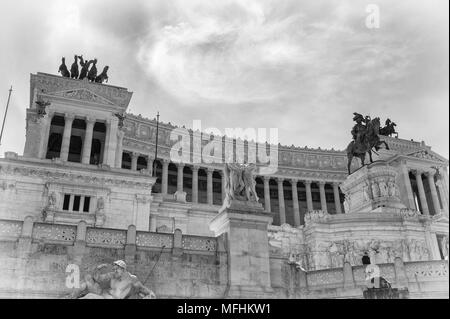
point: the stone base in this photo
(248, 248)
(373, 188)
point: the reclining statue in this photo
(119, 283)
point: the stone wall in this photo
(35, 257)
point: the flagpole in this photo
(6, 112)
(156, 144)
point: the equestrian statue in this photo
(365, 135)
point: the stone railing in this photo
(427, 270)
(10, 229)
(52, 233)
(325, 278)
(104, 237)
(146, 239)
(199, 243)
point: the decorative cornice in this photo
(52, 174)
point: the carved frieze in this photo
(72, 178)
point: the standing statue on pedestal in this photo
(63, 68)
(239, 182)
(365, 137)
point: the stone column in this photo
(45, 135)
(442, 195)
(165, 177)
(109, 152)
(434, 195)
(295, 202)
(323, 198)
(423, 198)
(180, 177)
(119, 150)
(87, 145)
(68, 121)
(134, 159)
(222, 176)
(309, 202)
(150, 161)
(409, 193)
(444, 180)
(281, 201)
(267, 194)
(209, 186)
(195, 184)
(337, 200)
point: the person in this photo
(122, 284)
(359, 128)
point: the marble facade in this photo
(82, 165)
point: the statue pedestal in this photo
(373, 188)
(246, 224)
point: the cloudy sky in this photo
(301, 66)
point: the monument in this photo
(245, 222)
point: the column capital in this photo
(195, 167)
(417, 172)
(336, 184)
(430, 173)
(135, 154)
(280, 180)
(321, 183)
(307, 182)
(210, 170)
(294, 181)
(69, 116)
(90, 120)
(180, 165)
(165, 161)
(266, 178)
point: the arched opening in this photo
(274, 208)
(202, 186)
(76, 144)
(187, 182)
(99, 134)
(96, 149)
(76, 140)
(55, 137)
(315, 192)
(217, 188)
(172, 179)
(158, 174)
(260, 189)
(141, 163)
(288, 203)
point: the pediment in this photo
(424, 154)
(82, 94)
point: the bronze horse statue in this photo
(369, 139)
